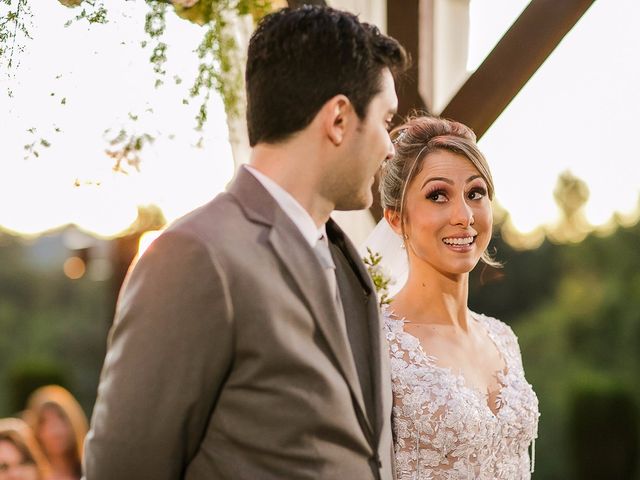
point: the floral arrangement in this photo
(379, 276)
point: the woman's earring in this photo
(404, 239)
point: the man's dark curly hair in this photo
(300, 58)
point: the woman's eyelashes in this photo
(477, 193)
(438, 195)
(441, 194)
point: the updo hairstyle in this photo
(413, 141)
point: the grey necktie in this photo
(324, 255)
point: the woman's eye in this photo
(438, 196)
(477, 194)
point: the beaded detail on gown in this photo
(444, 430)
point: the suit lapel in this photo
(304, 267)
(341, 240)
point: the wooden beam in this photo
(403, 25)
(513, 61)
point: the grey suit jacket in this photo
(226, 359)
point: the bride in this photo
(462, 406)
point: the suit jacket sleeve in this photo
(168, 356)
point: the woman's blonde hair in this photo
(413, 141)
(20, 435)
(58, 398)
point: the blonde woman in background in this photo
(60, 426)
(20, 455)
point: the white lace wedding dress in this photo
(444, 430)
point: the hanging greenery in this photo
(14, 24)
(216, 51)
(93, 11)
(217, 54)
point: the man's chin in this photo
(361, 202)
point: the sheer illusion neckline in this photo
(459, 378)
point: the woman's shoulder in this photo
(504, 337)
(495, 326)
(390, 321)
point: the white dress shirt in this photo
(317, 237)
(296, 212)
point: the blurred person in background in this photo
(20, 455)
(60, 426)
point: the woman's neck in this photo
(431, 297)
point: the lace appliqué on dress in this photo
(444, 430)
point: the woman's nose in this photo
(462, 214)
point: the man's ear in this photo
(337, 113)
(393, 219)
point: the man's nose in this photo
(391, 150)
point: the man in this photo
(246, 343)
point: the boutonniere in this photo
(380, 277)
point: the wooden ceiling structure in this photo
(495, 83)
(513, 61)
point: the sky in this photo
(105, 78)
(579, 112)
(73, 84)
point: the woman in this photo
(20, 457)
(462, 406)
(60, 426)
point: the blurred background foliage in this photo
(574, 306)
(52, 329)
(576, 311)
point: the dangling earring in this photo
(404, 239)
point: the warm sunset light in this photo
(147, 239)
(67, 111)
(66, 106)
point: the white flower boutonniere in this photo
(380, 277)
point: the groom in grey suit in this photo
(247, 342)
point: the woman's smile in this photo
(460, 243)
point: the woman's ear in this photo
(394, 220)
